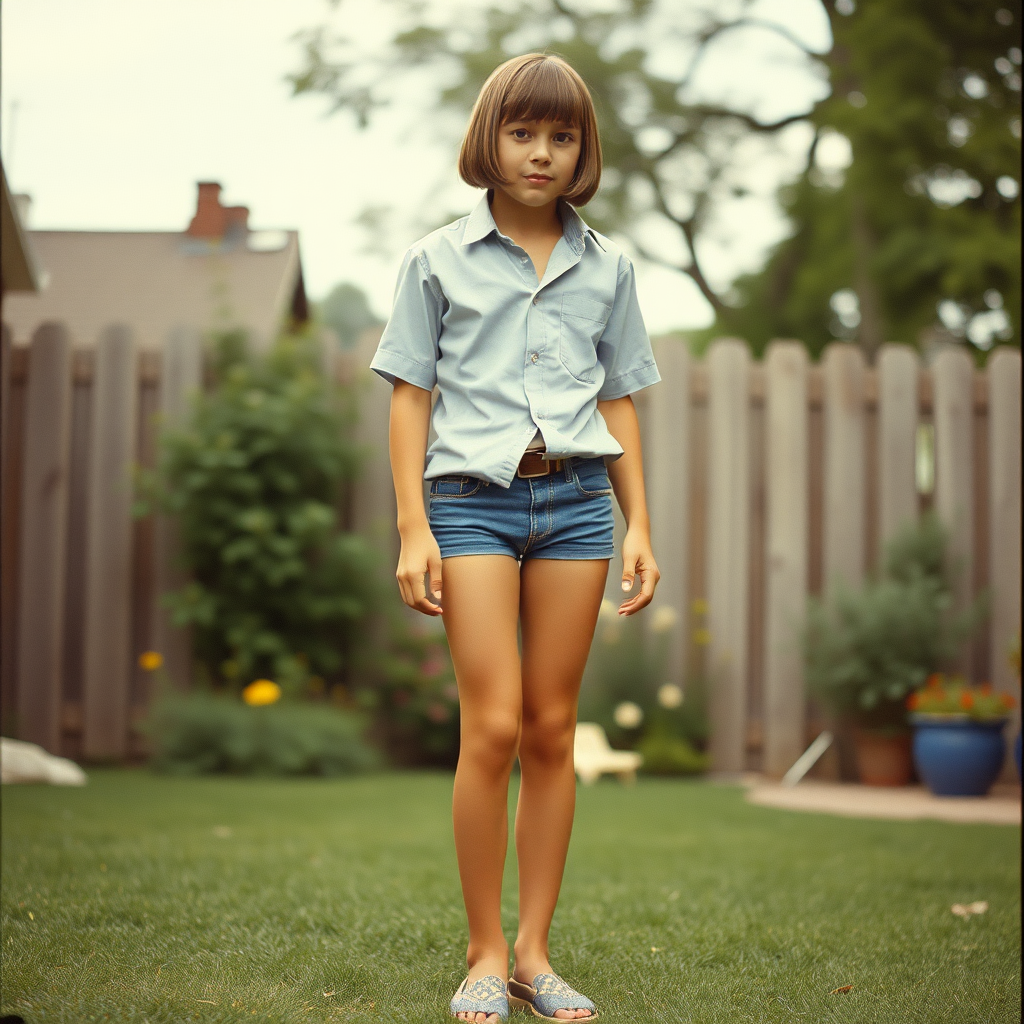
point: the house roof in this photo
(20, 270)
(155, 281)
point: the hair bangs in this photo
(544, 91)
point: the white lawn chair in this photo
(593, 757)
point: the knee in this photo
(548, 736)
(491, 740)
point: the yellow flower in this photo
(261, 691)
(699, 606)
(150, 661)
(701, 637)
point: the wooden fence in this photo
(766, 482)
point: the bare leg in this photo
(481, 607)
(558, 609)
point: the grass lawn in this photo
(141, 898)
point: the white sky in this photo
(114, 109)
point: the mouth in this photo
(539, 179)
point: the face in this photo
(537, 159)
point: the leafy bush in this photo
(253, 480)
(952, 697)
(202, 732)
(665, 754)
(627, 666)
(410, 691)
(866, 649)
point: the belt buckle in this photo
(544, 471)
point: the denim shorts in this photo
(566, 514)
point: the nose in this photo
(540, 152)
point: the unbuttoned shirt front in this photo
(510, 354)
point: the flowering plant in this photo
(953, 697)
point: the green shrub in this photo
(201, 733)
(628, 664)
(865, 650)
(253, 480)
(665, 754)
(411, 693)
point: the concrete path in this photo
(1001, 807)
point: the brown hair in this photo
(533, 87)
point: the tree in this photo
(347, 312)
(923, 94)
(918, 236)
(671, 157)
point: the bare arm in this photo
(407, 442)
(627, 478)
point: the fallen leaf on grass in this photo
(965, 910)
(210, 1001)
(655, 949)
(842, 990)
(222, 832)
(327, 995)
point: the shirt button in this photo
(533, 358)
(536, 299)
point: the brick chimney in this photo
(214, 221)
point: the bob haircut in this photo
(533, 87)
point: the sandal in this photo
(547, 994)
(485, 995)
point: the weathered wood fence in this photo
(767, 481)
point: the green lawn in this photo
(141, 898)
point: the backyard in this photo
(146, 898)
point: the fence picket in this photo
(897, 434)
(845, 498)
(109, 547)
(786, 477)
(953, 411)
(181, 377)
(728, 544)
(668, 470)
(44, 523)
(1004, 431)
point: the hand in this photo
(638, 560)
(420, 555)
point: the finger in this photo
(648, 580)
(628, 575)
(434, 569)
(420, 602)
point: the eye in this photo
(563, 137)
(520, 133)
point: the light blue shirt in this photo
(510, 355)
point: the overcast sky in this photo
(114, 109)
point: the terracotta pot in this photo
(882, 760)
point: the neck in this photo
(517, 220)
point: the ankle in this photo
(490, 955)
(530, 960)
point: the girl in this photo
(526, 321)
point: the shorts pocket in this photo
(590, 478)
(582, 324)
(454, 486)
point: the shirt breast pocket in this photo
(582, 324)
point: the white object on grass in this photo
(807, 760)
(25, 762)
(593, 756)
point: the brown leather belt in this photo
(533, 464)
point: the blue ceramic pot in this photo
(958, 756)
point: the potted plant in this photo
(958, 735)
(866, 650)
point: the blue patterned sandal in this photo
(547, 994)
(485, 995)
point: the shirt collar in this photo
(480, 224)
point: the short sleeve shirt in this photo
(511, 355)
